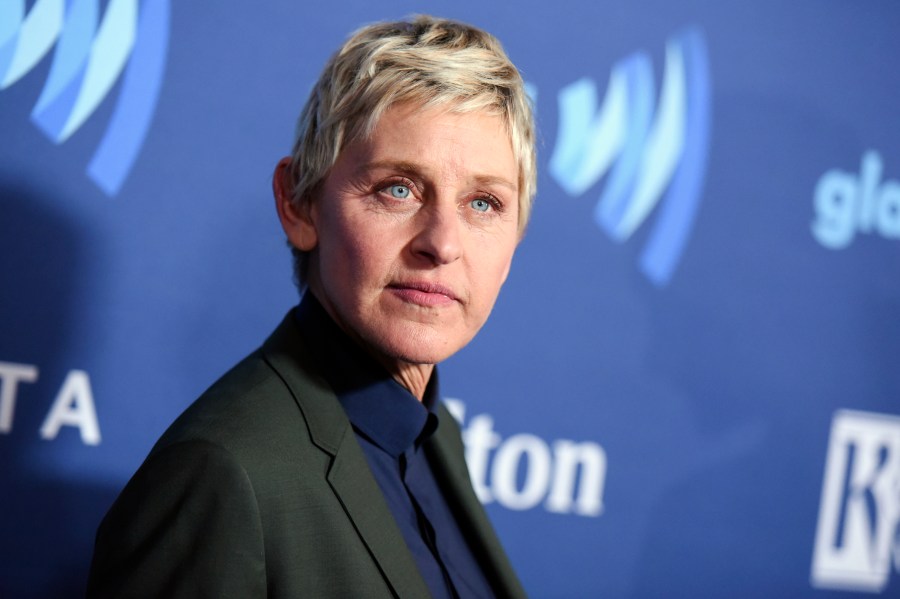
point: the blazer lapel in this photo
(349, 475)
(447, 454)
(361, 497)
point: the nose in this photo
(438, 237)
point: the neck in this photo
(414, 377)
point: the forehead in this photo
(435, 138)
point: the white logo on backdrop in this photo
(566, 476)
(858, 535)
(72, 407)
(846, 204)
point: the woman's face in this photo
(413, 231)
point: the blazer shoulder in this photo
(272, 403)
(187, 491)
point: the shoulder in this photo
(235, 494)
(250, 400)
(271, 405)
(186, 493)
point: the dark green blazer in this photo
(260, 489)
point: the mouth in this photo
(424, 294)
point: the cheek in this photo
(498, 260)
(359, 249)
(488, 278)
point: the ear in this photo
(297, 221)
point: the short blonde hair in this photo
(426, 61)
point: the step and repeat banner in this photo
(690, 384)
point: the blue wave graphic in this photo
(622, 179)
(652, 157)
(132, 115)
(90, 57)
(679, 208)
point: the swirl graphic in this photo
(654, 160)
(91, 55)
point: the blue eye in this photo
(481, 205)
(399, 191)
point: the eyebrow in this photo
(412, 169)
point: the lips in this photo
(424, 293)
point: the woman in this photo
(324, 464)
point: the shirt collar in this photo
(378, 406)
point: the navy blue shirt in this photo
(391, 426)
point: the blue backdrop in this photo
(689, 384)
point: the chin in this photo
(418, 345)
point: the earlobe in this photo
(297, 221)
